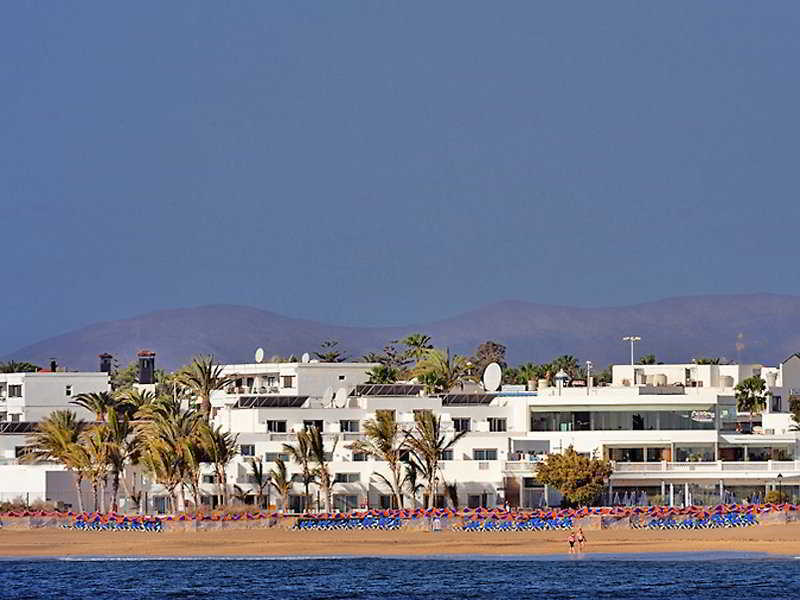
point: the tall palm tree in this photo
(94, 442)
(56, 439)
(280, 480)
(13, 366)
(751, 396)
(220, 447)
(260, 479)
(96, 402)
(385, 441)
(415, 473)
(202, 377)
(130, 400)
(428, 442)
(301, 454)
(121, 449)
(321, 458)
(417, 345)
(439, 372)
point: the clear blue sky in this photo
(392, 162)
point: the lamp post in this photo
(632, 339)
(780, 488)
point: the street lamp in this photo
(632, 339)
(780, 488)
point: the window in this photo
(288, 381)
(247, 449)
(209, 479)
(68, 390)
(341, 377)
(345, 503)
(473, 501)
(776, 404)
(497, 424)
(250, 382)
(19, 451)
(360, 457)
(447, 455)
(347, 478)
(272, 381)
(309, 424)
(484, 454)
(15, 391)
(349, 426)
(462, 424)
(15, 418)
(276, 426)
(273, 456)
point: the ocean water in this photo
(673, 576)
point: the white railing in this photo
(770, 466)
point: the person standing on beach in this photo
(581, 539)
(571, 541)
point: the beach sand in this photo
(776, 539)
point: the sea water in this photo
(673, 576)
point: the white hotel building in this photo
(671, 431)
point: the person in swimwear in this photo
(581, 539)
(571, 541)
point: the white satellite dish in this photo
(492, 377)
(340, 399)
(259, 355)
(327, 397)
(306, 357)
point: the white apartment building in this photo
(30, 397)
(671, 431)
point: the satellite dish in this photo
(340, 399)
(492, 376)
(306, 357)
(259, 355)
(327, 397)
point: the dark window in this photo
(497, 424)
(288, 381)
(276, 426)
(462, 424)
(309, 424)
(447, 455)
(347, 477)
(15, 391)
(247, 449)
(359, 457)
(349, 426)
(484, 454)
(273, 456)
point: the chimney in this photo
(147, 367)
(53, 365)
(105, 362)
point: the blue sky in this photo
(392, 162)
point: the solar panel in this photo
(271, 402)
(387, 389)
(467, 399)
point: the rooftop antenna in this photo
(259, 355)
(492, 377)
(632, 339)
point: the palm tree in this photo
(321, 458)
(383, 374)
(55, 439)
(121, 450)
(439, 372)
(260, 479)
(452, 492)
(202, 377)
(94, 442)
(301, 454)
(751, 396)
(131, 400)
(280, 480)
(96, 402)
(13, 366)
(385, 441)
(429, 443)
(220, 448)
(417, 345)
(414, 475)
(567, 363)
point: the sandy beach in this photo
(776, 539)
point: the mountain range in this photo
(763, 328)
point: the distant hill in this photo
(759, 328)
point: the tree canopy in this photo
(579, 478)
